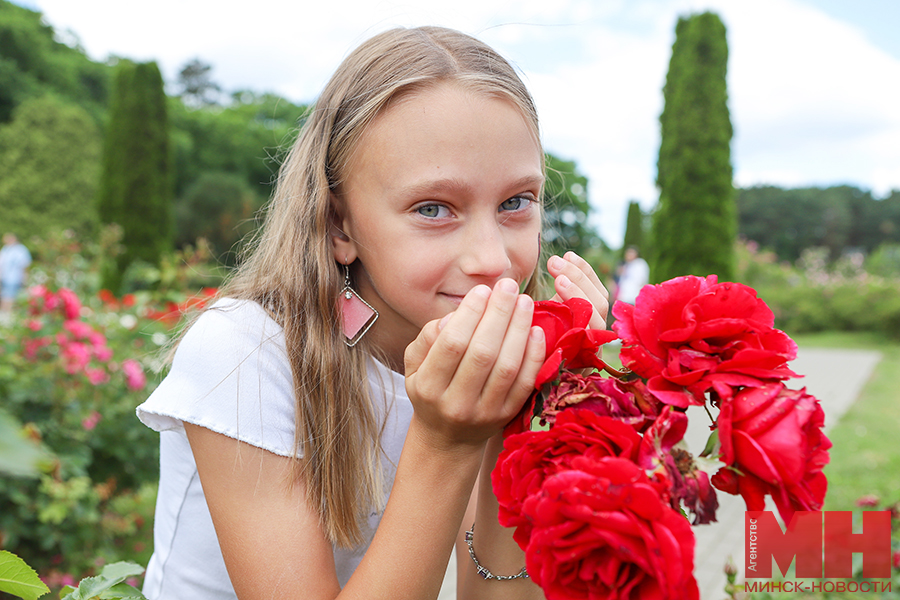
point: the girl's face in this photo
(441, 195)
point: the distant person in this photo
(634, 274)
(14, 259)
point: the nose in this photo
(484, 253)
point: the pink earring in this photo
(357, 315)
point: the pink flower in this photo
(90, 421)
(96, 376)
(79, 329)
(102, 353)
(34, 324)
(76, 355)
(134, 374)
(71, 303)
(869, 500)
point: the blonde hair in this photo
(290, 269)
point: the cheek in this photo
(526, 250)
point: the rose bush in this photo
(603, 529)
(598, 499)
(74, 364)
(691, 335)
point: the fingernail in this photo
(508, 285)
(556, 262)
(481, 290)
(563, 281)
(536, 334)
(444, 321)
(524, 302)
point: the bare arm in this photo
(466, 376)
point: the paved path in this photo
(835, 377)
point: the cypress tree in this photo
(634, 229)
(136, 185)
(695, 224)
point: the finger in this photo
(574, 278)
(417, 351)
(531, 363)
(444, 355)
(579, 271)
(509, 359)
(488, 338)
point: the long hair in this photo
(289, 267)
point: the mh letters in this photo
(822, 542)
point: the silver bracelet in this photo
(483, 571)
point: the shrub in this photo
(815, 295)
(74, 364)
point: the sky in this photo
(814, 85)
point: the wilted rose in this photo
(626, 401)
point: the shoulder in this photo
(230, 374)
(231, 330)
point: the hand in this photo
(573, 277)
(469, 373)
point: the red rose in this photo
(773, 437)
(529, 458)
(603, 530)
(567, 337)
(691, 334)
(626, 401)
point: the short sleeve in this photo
(231, 375)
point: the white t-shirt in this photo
(231, 374)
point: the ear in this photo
(342, 245)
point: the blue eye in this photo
(432, 211)
(514, 203)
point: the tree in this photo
(197, 87)
(33, 64)
(136, 185)
(566, 210)
(220, 208)
(695, 223)
(634, 228)
(49, 163)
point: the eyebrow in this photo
(452, 184)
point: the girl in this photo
(411, 197)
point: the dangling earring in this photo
(357, 315)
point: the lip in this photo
(453, 298)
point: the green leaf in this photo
(18, 455)
(712, 444)
(109, 584)
(18, 579)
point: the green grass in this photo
(865, 457)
